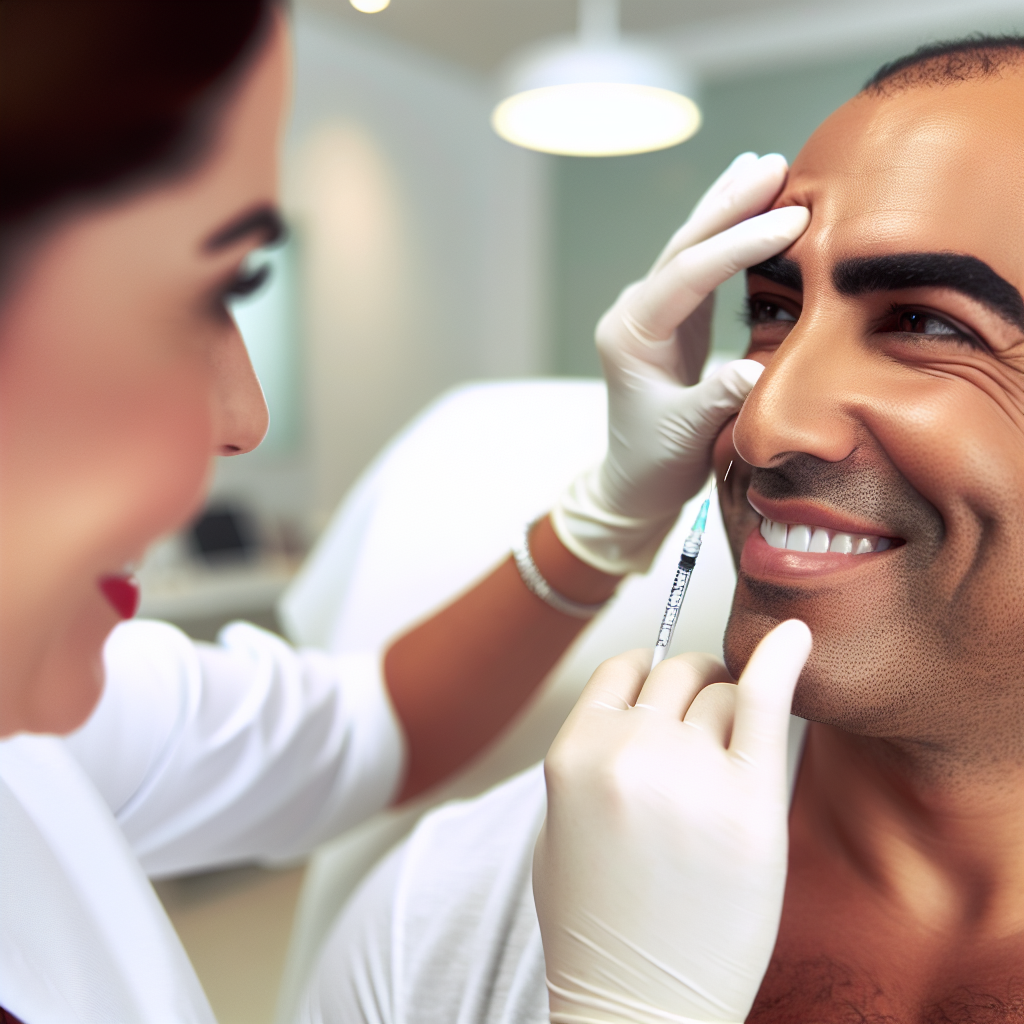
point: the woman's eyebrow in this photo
(264, 221)
(782, 270)
(965, 274)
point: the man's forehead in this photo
(937, 169)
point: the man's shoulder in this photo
(445, 929)
(498, 825)
(470, 857)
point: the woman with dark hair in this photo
(138, 170)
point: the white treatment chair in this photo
(435, 512)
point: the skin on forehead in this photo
(890, 174)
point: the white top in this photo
(197, 756)
(445, 930)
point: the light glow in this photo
(596, 119)
(369, 6)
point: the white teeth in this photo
(819, 541)
(798, 538)
(816, 539)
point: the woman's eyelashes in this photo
(246, 281)
(764, 311)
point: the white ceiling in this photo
(716, 38)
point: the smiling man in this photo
(877, 495)
(890, 424)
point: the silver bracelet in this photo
(536, 583)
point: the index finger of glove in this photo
(616, 682)
(673, 684)
(765, 694)
(748, 187)
(667, 298)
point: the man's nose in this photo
(240, 415)
(804, 401)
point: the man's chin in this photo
(746, 629)
(839, 686)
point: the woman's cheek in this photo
(141, 466)
(172, 459)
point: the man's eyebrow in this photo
(965, 274)
(782, 270)
(264, 221)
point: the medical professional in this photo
(138, 153)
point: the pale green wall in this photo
(612, 216)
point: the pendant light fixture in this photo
(595, 94)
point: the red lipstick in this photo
(123, 594)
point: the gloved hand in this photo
(659, 872)
(652, 344)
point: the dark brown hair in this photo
(95, 94)
(946, 63)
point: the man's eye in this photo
(926, 323)
(920, 321)
(760, 311)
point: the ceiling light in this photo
(595, 95)
(369, 6)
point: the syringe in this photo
(687, 562)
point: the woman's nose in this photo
(240, 414)
(803, 401)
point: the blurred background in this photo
(425, 251)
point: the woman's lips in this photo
(122, 592)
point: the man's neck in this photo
(944, 848)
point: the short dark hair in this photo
(956, 60)
(96, 93)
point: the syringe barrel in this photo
(675, 600)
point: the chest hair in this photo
(824, 991)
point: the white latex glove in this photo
(659, 872)
(652, 344)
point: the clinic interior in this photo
(425, 252)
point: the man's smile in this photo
(806, 518)
(817, 540)
(802, 539)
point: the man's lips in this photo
(762, 560)
(122, 591)
(798, 539)
(806, 513)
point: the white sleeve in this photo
(245, 750)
